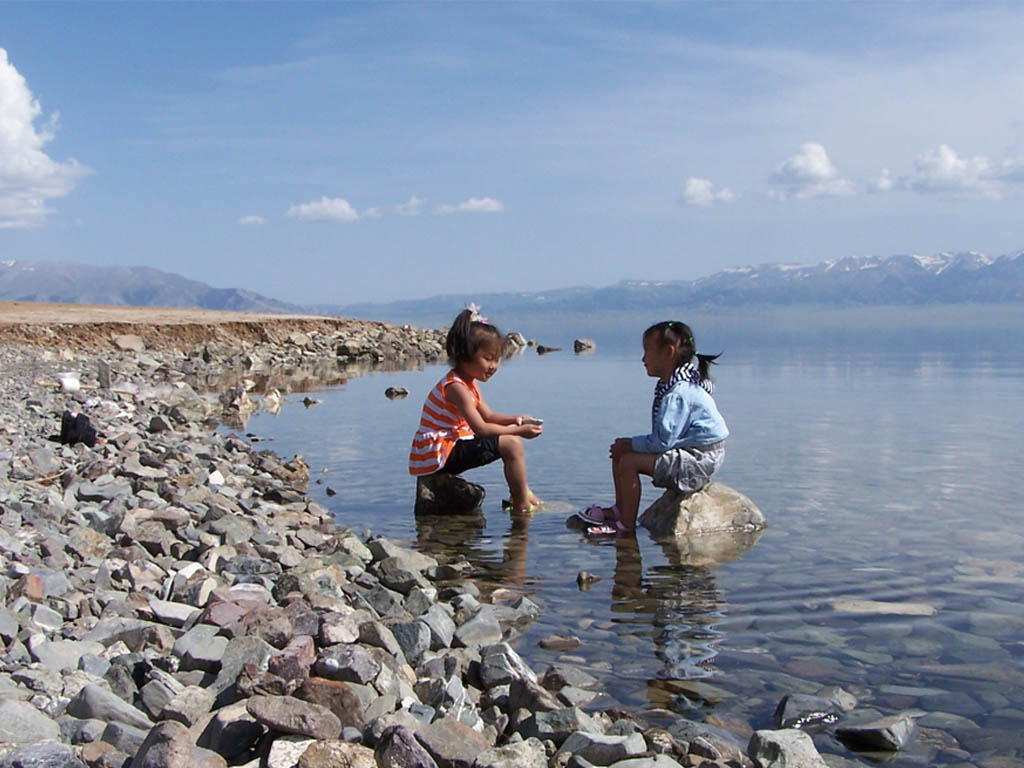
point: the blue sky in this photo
(342, 152)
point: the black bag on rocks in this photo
(75, 428)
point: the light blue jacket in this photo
(687, 418)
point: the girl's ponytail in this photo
(680, 336)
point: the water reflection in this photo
(462, 539)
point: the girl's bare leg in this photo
(514, 457)
(627, 469)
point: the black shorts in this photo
(472, 453)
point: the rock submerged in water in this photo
(396, 393)
(544, 350)
(582, 346)
(713, 525)
(445, 494)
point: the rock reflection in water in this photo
(455, 539)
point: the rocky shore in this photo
(172, 598)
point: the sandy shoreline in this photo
(81, 326)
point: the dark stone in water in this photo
(445, 494)
(808, 713)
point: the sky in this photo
(349, 152)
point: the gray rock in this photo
(598, 749)
(46, 755)
(231, 732)
(169, 745)
(441, 626)
(451, 743)
(717, 509)
(558, 724)
(656, 761)
(157, 694)
(397, 748)
(482, 629)
(21, 723)
(413, 637)
(201, 648)
(396, 393)
(189, 705)
(60, 654)
(500, 664)
(788, 748)
(124, 738)
(347, 663)
(889, 733)
(239, 652)
(290, 715)
(99, 703)
(528, 753)
(580, 346)
(445, 494)
(799, 710)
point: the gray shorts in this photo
(687, 470)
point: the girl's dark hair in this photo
(467, 335)
(680, 336)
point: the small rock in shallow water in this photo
(560, 643)
(396, 393)
(586, 580)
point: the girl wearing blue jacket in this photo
(686, 444)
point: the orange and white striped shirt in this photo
(441, 425)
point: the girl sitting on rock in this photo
(685, 446)
(458, 431)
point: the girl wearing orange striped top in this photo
(458, 431)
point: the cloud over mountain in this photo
(29, 178)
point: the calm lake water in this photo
(893, 478)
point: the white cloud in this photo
(411, 208)
(324, 209)
(1012, 170)
(885, 183)
(473, 205)
(28, 177)
(252, 220)
(372, 213)
(809, 173)
(702, 192)
(944, 171)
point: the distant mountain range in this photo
(65, 283)
(849, 282)
(857, 281)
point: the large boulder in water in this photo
(445, 494)
(713, 525)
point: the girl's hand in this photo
(620, 447)
(529, 431)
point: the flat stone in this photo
(889, 733)
(787, 748)
(124, 738)
(337, 696)
(129, 342)
(348, 663)
(61, 654)
(500, 664)
(201, 648)
(482, 629)
(21, 723)
(290, 715)
(881, 608)
(799, 710)
(94, 702)
(451, 743)
(189, 705)
(599, 749)
(171, 613)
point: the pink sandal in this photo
(615, 528)
(597, 515)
